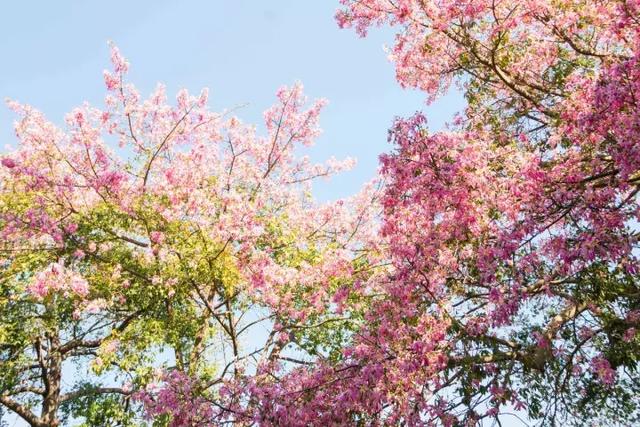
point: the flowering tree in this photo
(511, 242)
(513, 236)
(172, 251)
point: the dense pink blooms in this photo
(56, 278)
(518, 223)
(179, 398)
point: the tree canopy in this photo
(175, 257)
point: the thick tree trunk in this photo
(51, 402)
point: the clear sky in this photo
(53, 54)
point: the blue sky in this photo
(53, 54)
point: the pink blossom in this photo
(8, 163)
(157, 237)
(603, 370)
(57, 278)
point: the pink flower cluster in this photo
(178, 397)
(602, 368)
(56, 278)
